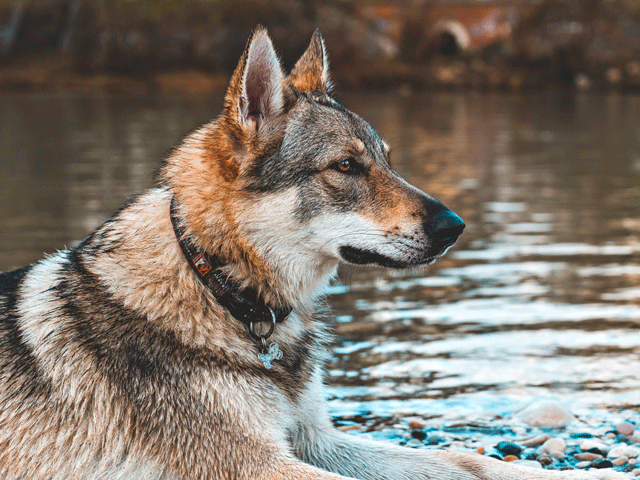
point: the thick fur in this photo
(117, 363)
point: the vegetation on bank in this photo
(193, 45)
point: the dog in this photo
(184, 338)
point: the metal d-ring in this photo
(272, 326)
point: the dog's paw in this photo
(595, 474)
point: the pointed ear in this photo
(256, 93)
(311, 72)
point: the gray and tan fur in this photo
(117, 363)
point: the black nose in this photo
(444, 229)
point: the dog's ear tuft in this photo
(256, 92)
(311, 72)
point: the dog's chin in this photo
(358, 256)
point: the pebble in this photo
(508, 448)
(534, 441)
(585, 444)
(419, 434)
(588, 456)
(624, 451)
(620, 461)
(581, 435)
(555, 444)
(545, 460)
(545, 414)
(601, 464)
(636, 471)
(588, 444)
(417, 424)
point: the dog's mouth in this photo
(359, 256)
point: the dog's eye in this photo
(349, 166)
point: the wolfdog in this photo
(183, 339)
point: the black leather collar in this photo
(244, 304)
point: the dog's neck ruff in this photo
(245, 305)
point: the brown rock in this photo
(545, 460)
(619, 461)
(416, 425)
(587, 456)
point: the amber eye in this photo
(349, 166)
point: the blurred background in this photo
(522, 116)
(191, 45)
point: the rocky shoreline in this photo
(544, 435)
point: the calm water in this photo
(539, 299)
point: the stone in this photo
(601, 464)
(545, 460)
(584, 464)
(625, 428)
(628, 451)
(589, 444)
(555, 444)
(508, 448)
(545, 414)
(510, 458)
(416, 424)
(587, 456)
(534, 441)
(556, 454)
(620, 461)
(480, 450)
(581, 435)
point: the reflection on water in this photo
(540, 298)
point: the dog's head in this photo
(303, 180)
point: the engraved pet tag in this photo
(273, 353)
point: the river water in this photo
(539, 299)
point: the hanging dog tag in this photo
(273, 353)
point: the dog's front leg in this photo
(365, 459)
(290, 469)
